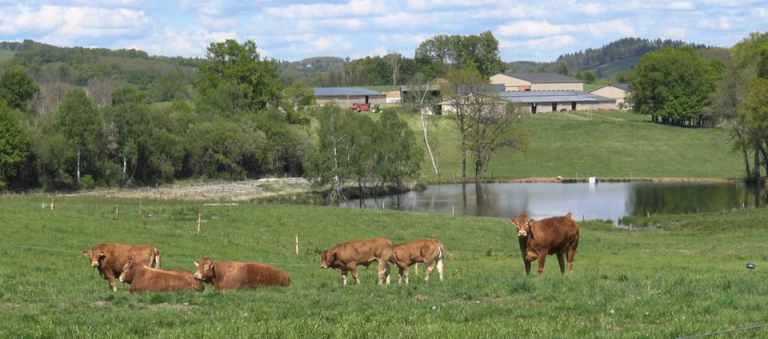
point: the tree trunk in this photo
(756, 172)
(745, 153)
(426, 142)
(78, 165)
(360, 187)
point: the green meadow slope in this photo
(602, 144)
(686, 276)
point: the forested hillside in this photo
(605, 62)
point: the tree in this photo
(80, 123)
(14, 144)
(755, 112)
(16, 88)
(397, 156)
(329, 164)
(480, 52)
(493, 126)
(462, 93)
(234, 78)
(673, 86)
(424, 101)
(295, 99)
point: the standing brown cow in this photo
(347, 256)
(227, 275)
(146, 279)
(429, 252)
(109, 259)
(557, 235)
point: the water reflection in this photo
(610, 201)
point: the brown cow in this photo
(109, 259)
(347, 256)
(557, 235)
(226, 275)
(146, 279)
(429, 252)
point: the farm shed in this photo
(620, 92)
(556, 101)
(524, 82)
(346, 96)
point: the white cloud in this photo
(543, 28)
(353, 8)
(69, 23)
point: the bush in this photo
(87, 182)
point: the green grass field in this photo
(684, 276)
(5, 55)
(603, 144)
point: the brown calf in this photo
(347, 256)
(146, 279)
(558, 235)
(109, 259)
(429, 252)
(226, 275)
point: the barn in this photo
(524, 82)
(346, 96)
(619, 92)
(557, 101)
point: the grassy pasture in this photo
(684, 276)
(603, 144)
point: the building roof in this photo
(545, 78)
(536, 97)
(345, 92)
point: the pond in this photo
(605, 201)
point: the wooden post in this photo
(117, 212)
(53, 203)
(297, 244)
(140, 213)
(453, 211)
(199, 219)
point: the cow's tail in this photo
(155, 258)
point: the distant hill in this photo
(606, 62)
(101, 70)
(311, 68)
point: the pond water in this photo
(605, 201)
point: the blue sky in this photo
(292, 30)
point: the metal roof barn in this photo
(552, 96)
(345, 92)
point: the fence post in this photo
(199, 219)
(297, 244)
(53, 203)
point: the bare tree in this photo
(100, 90)
(421, 92)
(393, 59)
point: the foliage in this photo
(397, 156)
(234, 78)
(673, 86)
(14, 144)
(80, 123)
(456, 51)
(16, 88)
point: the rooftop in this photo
(545, 78)
(552, 96)
(344, 92)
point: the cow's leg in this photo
(416, 268)
(110, 276)
(406, 270)
(440, 268)
(344, 278)
(571, 256)
(383, 271)
(527, 266)
(356, 276)
(430, 268)
(542, 259)
(561, 261)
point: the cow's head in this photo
(327, 258)
(205, 269)
(523, 224)
(96, 256)
(128, 271)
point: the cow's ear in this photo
(197, 265)
(84, 253)
(102, 254)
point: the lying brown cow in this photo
(347, 256)
(146, 279)
(558, 235)
(109, 259)
(429, 252)
(226, 275)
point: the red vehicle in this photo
(359, 107)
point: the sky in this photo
(293, 30)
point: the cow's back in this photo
(363, 251)
(417, 251)
(233, 274)
(159, 280)
(555, 232)
(117, 255)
